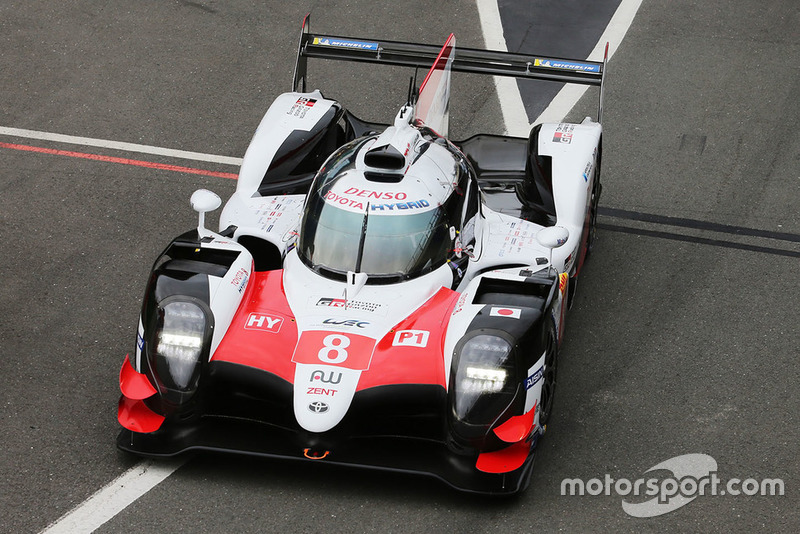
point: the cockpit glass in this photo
(381, 234)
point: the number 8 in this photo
(329, 345)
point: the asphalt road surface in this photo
(684, 337)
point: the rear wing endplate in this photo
(470, 60)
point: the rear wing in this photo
(470, 60)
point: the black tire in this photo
(596, 191)
(593, 219)
(549, 376)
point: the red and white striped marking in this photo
(115, 145)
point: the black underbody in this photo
(394, 428)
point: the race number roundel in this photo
(328, 348)
(334, 349)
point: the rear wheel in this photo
(593, 219)
(596, 191)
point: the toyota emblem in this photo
(318, 407)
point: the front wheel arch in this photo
(549, 376)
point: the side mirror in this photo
(552, 237)
(204, 201)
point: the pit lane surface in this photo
(683, 338)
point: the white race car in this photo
(377, 295)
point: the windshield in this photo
(382, 232)
(405, 245)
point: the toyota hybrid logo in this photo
(318, 407)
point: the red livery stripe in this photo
(124, 161)
(262, 348)
(404, 361)
(411, 353)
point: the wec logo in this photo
(346, 322)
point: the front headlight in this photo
(485, 372)
(180, 338)
(481, 379)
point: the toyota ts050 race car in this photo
(377, 295)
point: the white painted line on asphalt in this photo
(114, 497)
(514, 114)
(116, 145)
(617, 27)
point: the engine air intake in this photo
(385, 157)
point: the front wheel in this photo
(549, 378)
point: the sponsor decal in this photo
(333, 198)
(460, 304)
(321, 391)
(346, 322)
(517, 238)
(345, 43)
(563, 133)
(318, 407)
(566, 65)
(266, 323)
(351, 351)
(399, 206)
(379, 195)
(411, 338)
(330, 378)
(534, 378)
(139, 341)
(359, 305)
(587, 171)
(301, 107)
(333, 303)
(240, 279)
(513, 313)
(562, 282)
(361, 205)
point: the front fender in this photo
(209, 276)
